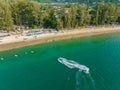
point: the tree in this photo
(105, 13)
(51, 21)
(83, 16)
(6, 21)
(59, 25)
(73, 13)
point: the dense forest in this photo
(58, 16)
(78, 1)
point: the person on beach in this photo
(35, 37)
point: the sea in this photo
(87, 63)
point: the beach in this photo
(14, 41)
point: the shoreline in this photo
(12, 43)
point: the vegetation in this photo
(79, 1)
(32, 14)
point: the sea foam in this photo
(72, 64)
(84, 80)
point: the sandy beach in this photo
(14, 41)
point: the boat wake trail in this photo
(72, 64)
(84, 80)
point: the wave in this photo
(72, 64)
(84, 80)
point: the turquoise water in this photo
(37, 68)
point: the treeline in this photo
(32, 14)
(77, 1)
